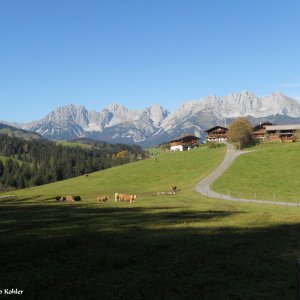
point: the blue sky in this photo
(138, 52)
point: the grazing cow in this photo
(86, 175)
(130, 198)
(102, 198)
(70, 198)
(125, 197)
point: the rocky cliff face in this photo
(155, 124)
(114, 123)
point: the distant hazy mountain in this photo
(155, 124)
(18, 132)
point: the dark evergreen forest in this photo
(36, 162)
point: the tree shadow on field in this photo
(74, 252)
(17, 200)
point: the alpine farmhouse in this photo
(266, 131)
(184, 142)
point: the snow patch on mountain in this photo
(116, 123)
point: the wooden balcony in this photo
(221, 135)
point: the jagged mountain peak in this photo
(157, 113)
(116, 108)
(155, 124)
(278, 94)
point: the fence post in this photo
(298, 278)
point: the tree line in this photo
(36, 162)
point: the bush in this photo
(214, 145)
(165, 146)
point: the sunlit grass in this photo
(184, 246)
(74, 144)
(271, 172)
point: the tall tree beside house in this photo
(296, 137)
(240, 131)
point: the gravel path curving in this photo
(203, 187)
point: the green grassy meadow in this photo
(154, 151)
(5, 158)
(270, 172)
(184, 246)
(74, 144)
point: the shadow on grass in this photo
(55, 252)
(25, 200)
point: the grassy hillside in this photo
(144, 178)
(17, 132)
(161, 247)
(74, 144)
(4, 158)
(271, 172)
(153, 150)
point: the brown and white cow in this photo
(174, 188)
(102, 198)
(70, 198)
(125, 197)
(117, 197)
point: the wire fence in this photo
(256, 194)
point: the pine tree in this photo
(1, 168)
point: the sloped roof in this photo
(283, 127)
(262, 125)
(210, 129)
(184, 136)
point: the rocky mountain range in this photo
(156, 124)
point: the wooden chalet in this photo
(217, 134)
(264, 131)
(184, 142)
(259, 131)
(284, 133)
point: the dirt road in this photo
(203, 187)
